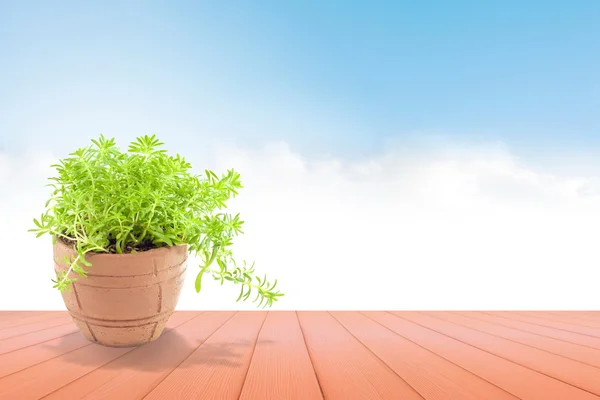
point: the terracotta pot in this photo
(127, 299)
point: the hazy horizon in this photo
(394, 156)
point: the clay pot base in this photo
(127, 299)
(120, 333)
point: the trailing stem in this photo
(108, 201)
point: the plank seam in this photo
(496, 355)
(252, 355)
(561, 320)
(375, 355)
(522, 329)
(35, 344)
(514, 341)
(545, 326)
(60, 355)
(309, 356)
(100, 366)
(42, 319)
(438, 355)
(158, 382)
(39, 330)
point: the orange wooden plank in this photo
(346, 369)
(522, 382)
(22, 358)
(36, 326)
(217, 369)
(27, 319)
(594, 332)
(583, 314)
(40, 379)
(573, 351)
(564, 369)
(434, 377)
(281, 367)
(32, 338)
(568, 317)
(6, 316)
(136, 373)
(431, 355)
(570, 337)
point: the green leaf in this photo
(198, 283)
(241, 294)
(108, 201)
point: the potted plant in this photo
(126, 221)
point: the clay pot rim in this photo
(145, 253)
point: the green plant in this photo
(108, 201)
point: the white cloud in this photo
(423, 227)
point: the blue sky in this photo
(336, 77)
(505, 92)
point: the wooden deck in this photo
(301, 355)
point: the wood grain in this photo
(43, 378)
(520, 381)
(572, 372)
(503, 320)
(346, 368)
(542, 319)
(552, 346)
(217, 369)
(311, 355)
(136, 373)
(281, 354)
(35, 326)
(573, 318)
(29, 318)
(29, 355)
(432, 376)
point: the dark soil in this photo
(112, 249)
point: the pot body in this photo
(127, 299)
